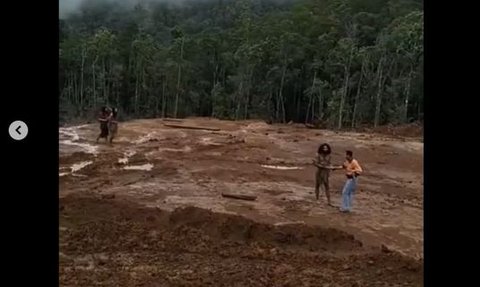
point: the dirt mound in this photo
(237, 228)
(413, 130)
(257, 126)
(117, 243)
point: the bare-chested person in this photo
(323, 164)
(103, 119)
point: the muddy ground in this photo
(148, 210)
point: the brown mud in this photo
(148, 210)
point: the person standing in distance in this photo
(353, 170)
(103, 119)
(323, 164)
(112, 125)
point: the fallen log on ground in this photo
(327, 167)
(191, 127)
(239, 196)
(172, 120)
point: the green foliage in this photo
(345, 62)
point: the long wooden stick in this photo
(172, 120)
(327, 167)
(239, 196)
(191, 127)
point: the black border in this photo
(449, 205)
(30, 193)
(427, 210)
(30, 187)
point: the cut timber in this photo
(191, 127)
(172, 120)
(239, 196)
(327, 167)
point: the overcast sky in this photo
(68, 6)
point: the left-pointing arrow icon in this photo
(18, 130)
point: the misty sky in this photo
(69, 6)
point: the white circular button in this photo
(18, 130)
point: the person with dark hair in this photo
(353, 170)
(323, 164)
(103, 119)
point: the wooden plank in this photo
(172, 120)
(191, 127)
(239, 196)
(327, 167)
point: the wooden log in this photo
(327, 167)
(191, 127)
(239, 196)
(172, 120)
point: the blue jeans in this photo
(347, 194)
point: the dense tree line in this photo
(339, 62)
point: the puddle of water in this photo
(82, 126)
(281, 167)
(145, 138)
(130, 153)
(146, 167)
(209, 141)
(127, 155)
(78, 166)
(184, 149)
(78, 175)
(87, 148)
(69, 132)
(72, 137)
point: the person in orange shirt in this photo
(353, 170)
